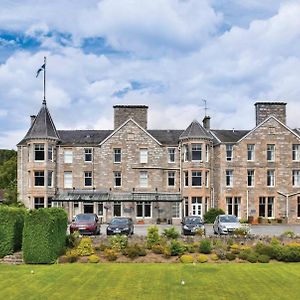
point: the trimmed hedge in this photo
(44, 235)
(11, 228)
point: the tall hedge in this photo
(11, 228)
(44, 235)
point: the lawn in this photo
(151, 281)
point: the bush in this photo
(289, 234)
(263, 258)
(202, 258)
(110, 254)
(242, 231)
(171, 233)
(93, 259)
(252, 257)
(176, 248)
(167, 252)
(118, 242)
(287, 253)
(235, 249)
(85, 247)
(205, 246)
(264, 249)
(11, 228)
(72, 240)
(44, 235)
(200, 232)
(221, 253)
(211, 214)
(214, 257)
(134, 251)
(191, 248)
(152, 236)
(244, 253)
(71, 256)
(158, 249)
(101, 247)
(186, 259)
(230, 256)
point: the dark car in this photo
(120, 225)
(192, 224)
(86, 224)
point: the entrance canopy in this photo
(103, 196)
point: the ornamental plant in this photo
(152, 236)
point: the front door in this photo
(88, 208)
(197, 206)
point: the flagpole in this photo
(44, 80)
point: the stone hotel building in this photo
(162, 175)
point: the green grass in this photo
(151, 281)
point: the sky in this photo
(167, 54)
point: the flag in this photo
(40, 69)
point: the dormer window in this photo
(39, 152)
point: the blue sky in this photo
(167, 54)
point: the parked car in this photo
(191, 224)
(120, 225)
(86, 224)
(226, 224)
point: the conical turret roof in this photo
(195, 131)
(42, 127)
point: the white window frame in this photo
(39, 148)
(250, 152)
(251, 177)
(39, 174)
(68, 156)
(207, 179)
(233, 204)
(88, 175)
(143, 155)
(88, 152)
(197, 209)
(229, 175)
(50, 153)
(270, 178)
(37, 202)
(117, 175)
(143, 179)
(171, 155)
(229, 152)
(207, 153)
(197, 151)
(48, 177)
(197, 174)
(296, 152)
(186, 178)
(296, 178)
(121, 208)
(68, 180)
(185, 152)
(271, 152)
(171, 175)
(143, 205)
(117, 155)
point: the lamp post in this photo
(287, 201)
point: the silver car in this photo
(226, 224)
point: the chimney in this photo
(139, 113)
(32, 118)
(266, 109)
(206, 122)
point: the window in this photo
(296, 178)
(207, 179)
(88, 180)
(143, 209)
(29, 179)
(229, 152)
(143, 156)
(39, 178)
(296, 152)
(196, 178)
(117, 179)
(186, 178)
(176, 210)
(39, 152)
(100, 209)
(68, 180)
(171, 155)
(250, 152)
(49, 203)
(117, 155)
(171, 178)
(270, 152)
(57, 204)
(186, 206)
(197, 206)
(38, 202)
(266, 207)
(50, 178)
(88, 155)
(206, 204)
(229, 177)
(68, 156)
(143, 179)
(233, 205)
(196, 152)
(250, 177)
(207, 152)
(117, 209)
(271, 178)
(186, 152)
(298, 207)
(50, 153)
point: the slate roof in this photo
(229, 136)
(42, 126)
(195, 130)
(166, 137)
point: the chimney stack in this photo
(266, 109)
(206, 122)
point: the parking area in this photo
(266, 230)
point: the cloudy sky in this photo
(167, 54)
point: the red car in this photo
(86, 224)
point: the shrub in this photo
(158, 249)
(200, 232)
(214, 257)
(263, 258)
(110, 254)
(134, 251)
(44, 235)
(176, 248)
(252, 257)
(186, 259)
(101, 247)
(93, 259)
(85, 247)
(221, 253)
(230, 256)
(72, 240)
(118, 242)
(289, 234)
(152, 236)
(211, 214)
(287, 253)
(235, 249)
(167, 252)
(242, 231)
(264, 249)
(191, 248)
(171, 233)
(11, 228)
(71, 256)
(202, 258)
(244, 253)
(205, 246)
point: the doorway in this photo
(88, 208)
